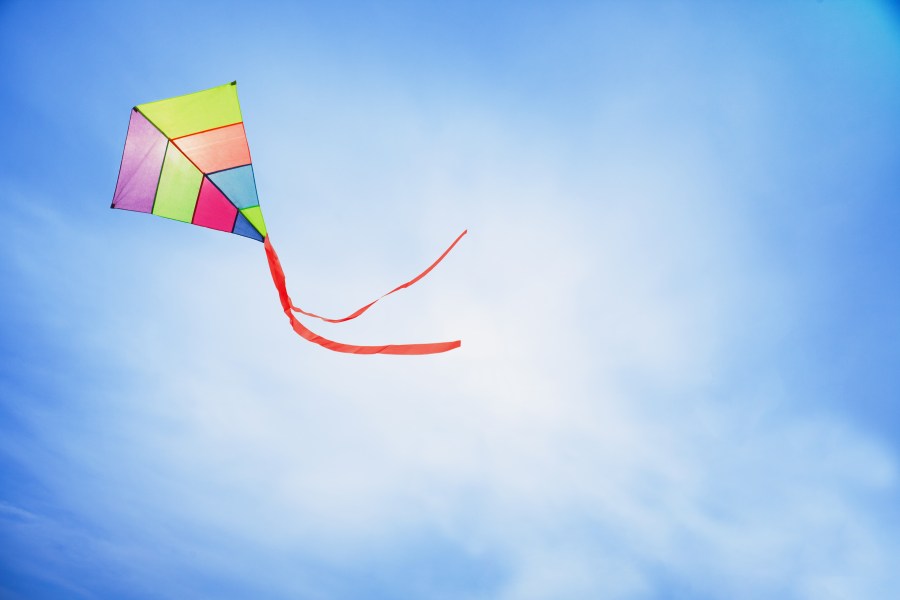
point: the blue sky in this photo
(678, 304)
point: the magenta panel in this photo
(213, 208)
(145, 148)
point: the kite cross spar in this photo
(186, 158)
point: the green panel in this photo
(179, 186)
(195, 112)
(254, 215)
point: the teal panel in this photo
(238, 185)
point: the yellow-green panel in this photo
(195, 112)
(254, 215)
(179, 186)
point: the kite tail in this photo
(412, 281)
(302, 331)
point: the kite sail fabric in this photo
(187, 159)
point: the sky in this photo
(678, 302)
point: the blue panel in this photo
(238, 185)
(243, 227)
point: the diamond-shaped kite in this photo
(187, 159)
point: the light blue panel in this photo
(238, 185)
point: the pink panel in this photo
(213, 208)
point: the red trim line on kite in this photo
(175, 139)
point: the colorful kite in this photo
(187, 159)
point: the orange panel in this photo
(216, 149)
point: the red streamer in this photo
(360, 311)
(302, 331)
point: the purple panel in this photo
(145, 148)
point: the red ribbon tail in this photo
(412, 281)
(406, 349)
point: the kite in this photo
(187, 159)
